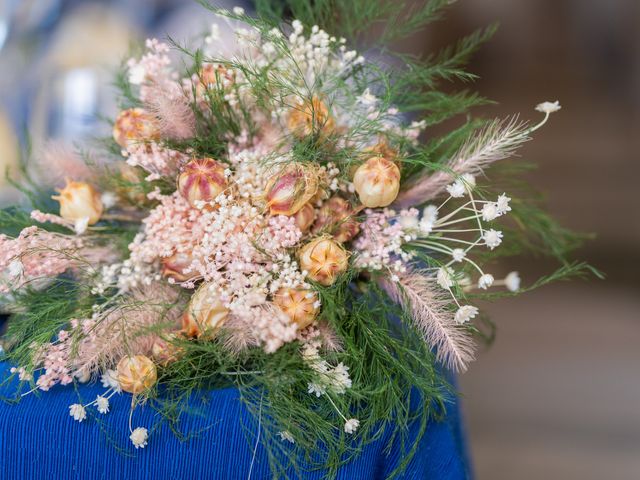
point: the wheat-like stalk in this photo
(415, 292)
(497, 141)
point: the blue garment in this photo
(39, 440)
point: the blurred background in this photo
(558, 394)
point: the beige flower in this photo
(300, 305)
(377, 182)
(305, 217)
(310, 117)
(136, 374)
(174, 267)
(205, 313)
(336, 218)
(78, 201)
(135, 125)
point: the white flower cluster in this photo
(334, 379)
(440, 233)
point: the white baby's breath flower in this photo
(492, 238)
(367, 98)
(444, 277)
(136, 74)
(465, 313)
(340, 380)
(16, 268)
(316, 389)
(548, 107)
(351, 425)
(502, 204)
(238, 11)
(139, 437)
(458, 254)
(430, 213)
(102, 403)
(285, 435)
(108, 200)
(214, 35)
(469, 180)
(81, 225)
(460, 187)
(456, 189)
(109, 379)
(485, 281)
(408, 222)
(78, 412)
(512, 282)
(489, 211)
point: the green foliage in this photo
(40, 313)
(395, 383)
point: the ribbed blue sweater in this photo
(39, 440)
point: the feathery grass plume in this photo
(173, 111)
(497, 141)
(415, 292)
(58, 161)
(128, 328)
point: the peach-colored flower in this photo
(164, 351)
(305, 217)
(323, 259)
(78, 201)
(134, 125)
(136, 374)
(300, 305)
(174, 267)
(212, 75)
(377, 182)
(205, 313)
(336, 217)
(310, 117)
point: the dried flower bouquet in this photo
(272, 219)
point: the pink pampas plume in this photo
(416, 294)
(58, 161)
(497, 141)
(175, 116)
(126, 329)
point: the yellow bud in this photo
(377, 182)
(205, 313)
(305, 217)
(323, 259)
(135, 125)
(136, 374)
(202, 179)
(298, 304)
(310, 117)
(290, 189)
(79, 200)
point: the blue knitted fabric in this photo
(39, 440)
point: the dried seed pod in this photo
(202, 179)
(79, 200)
(377, 182)
(323, 259)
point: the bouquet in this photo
(280, 219)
